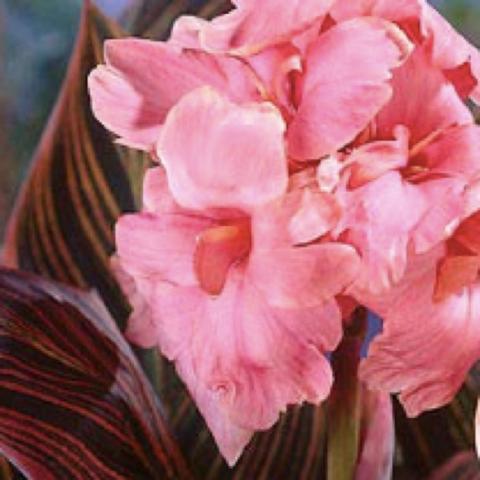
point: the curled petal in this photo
(381, 230)
(249, 29)
(426, 348)
(244, 361)
(142, 79)
(241, 165)
(345, 85)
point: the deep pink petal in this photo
(426, 348)
(241, 164)
(345, 85)
(132, 94)
(249, 29)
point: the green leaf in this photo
(73, 400)
(345, 403)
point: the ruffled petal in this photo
(423, 101)
(372, 160)
(242, 163)
(379, 220)
(159, 246)
(243, 361)
(426, 348)
(451, 52)
(142, 79)
(249, 29)
(345, 84)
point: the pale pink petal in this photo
(379, 220)
(156, 195)
(141, 328)
(159, 246)
(318, 214)
(345, 85)
(446, 207)
(304, 276)
(243, 361)
(423, 101)
(372, 160)
(249, 29)
(375, 460)
(426, 348)
(142, 79)
(218, 154)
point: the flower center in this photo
(218, 248)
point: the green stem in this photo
(344, 404)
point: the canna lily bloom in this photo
(313, 76)
(449, 51)
(428, 344)
(222, 288)
(405, 180)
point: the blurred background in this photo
(36, 38)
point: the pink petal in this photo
(140, 329)
(423, 101)
(318, 214)
(400, 10)
(345, 85)
(249, 29)
(304, 276)
(242, 164)
(456, 153)
(375, 460)
(242, 360)
(132, 94)
(446, 207)
(451, 51)
(379, 220)
(426, 348)
(156, 195)
(372, 160)
(159, 246)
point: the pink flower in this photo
(427, 346)
(404, 181)
(245, 313)
(448, 50)
(312, 71)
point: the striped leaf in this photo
(80, 182)
(73, 400)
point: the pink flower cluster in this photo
(314, 155)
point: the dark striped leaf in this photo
(79, 184)
(74, 403)
(463, 466)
